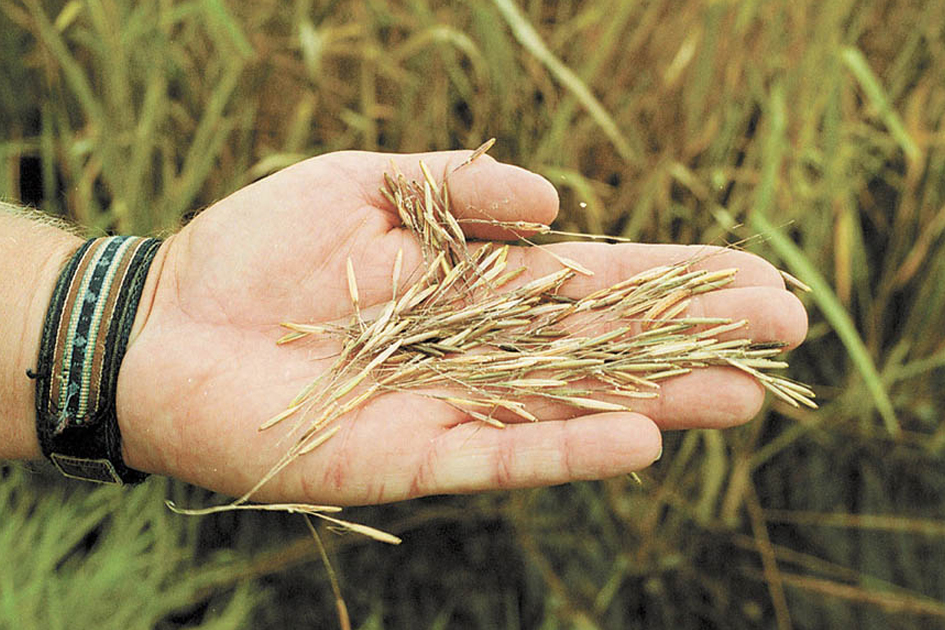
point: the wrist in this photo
(139, 443)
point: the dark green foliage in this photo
(75, 557)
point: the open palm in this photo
(203, 371)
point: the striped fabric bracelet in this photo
(85, 336)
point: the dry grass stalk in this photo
(462, 327)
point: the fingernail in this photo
(659, 454)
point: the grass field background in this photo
(820, 125)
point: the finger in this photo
(611, 264)
(769, 315)
(756, 293)
(772, 315)
(472, 457)
(482, 189)
(707, 398)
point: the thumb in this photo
(481, 189)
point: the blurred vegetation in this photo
(78, 558)
(820, 125)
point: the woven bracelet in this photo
(85, 335)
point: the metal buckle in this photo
(86, 469)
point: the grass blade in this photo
(836, 315)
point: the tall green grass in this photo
(75, 558)
(818, 125)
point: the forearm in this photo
(31, 255)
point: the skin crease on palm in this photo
(202, 371)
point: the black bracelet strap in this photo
(85, 335)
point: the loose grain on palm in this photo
(468, 330)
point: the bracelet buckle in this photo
(88, 469)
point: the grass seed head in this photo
(457, 327)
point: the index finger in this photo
(483, 189)
(613, 263)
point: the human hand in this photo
(202, 370)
